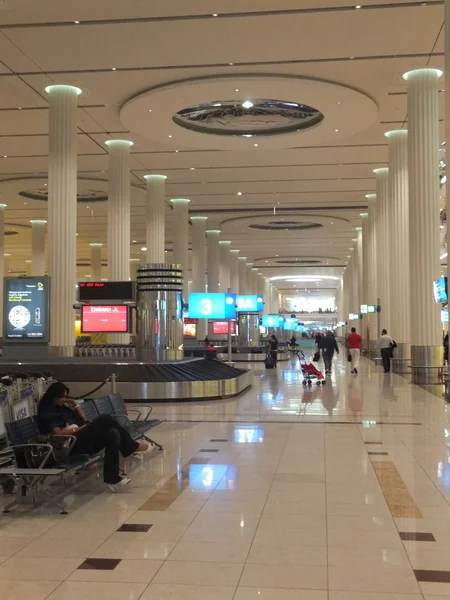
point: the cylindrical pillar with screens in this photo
(159, 312)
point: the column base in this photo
(402, 358)
(427, 364)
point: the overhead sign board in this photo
(105, 319)
(26, 309)
(212, 306)
(364, 309)
(272, 321)
(106, 291)
(249, 303)
(353, 317)
(371, 309)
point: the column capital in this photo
(198, 218)
(50, 89)
(371, 196)
(224, 242)
(3, 206)
(155, 177)
(420, 72)
(212, 231)
(38, 222)
(243, 258)
(95, 244)
(234, 251)
(396, 133)
(119, 143)
(381, 171)
(175, 201)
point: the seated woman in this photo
(61, 415)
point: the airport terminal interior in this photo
(223, 226)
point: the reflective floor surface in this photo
(337, 492)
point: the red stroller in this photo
(310, 371)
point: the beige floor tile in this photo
(93, 590)
(287, 535)
(400, 580)
(24, 590)
(347, 523)
(162, 591)
(284, 576)
(38, 569)
(253, 593)
(296, 508)
(424, 556)
(276, 520)
(210, 552)
(118, 547)
(144, 517)
(435, 590)
(374, 557)
(194, 573)
(333, 595)
(287, 554)
(127, 571)
(11, 545)
(237, 506)
(363, 539)
(358, 510)
(45, 547)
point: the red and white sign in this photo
(221, 327)
(104, 319)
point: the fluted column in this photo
(119, 218)
(399, 234)
(365, 278)
(62, 214)
(213, 260)
(27, 267)
(96, 261)
(38, 247)
(447, 125)
(255, 280)
(359, 260)
(372, 260)
(3, 271)
(243, 280)
(423, 179)
(384, 256)
(155, 218)
(180, 234)
(260, 284)
(266, 296)
(199, 265)
(224, 248)
(249, 266)
(234, 270)
(134, 262)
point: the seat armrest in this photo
(150, 408)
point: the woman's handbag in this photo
(316, 356)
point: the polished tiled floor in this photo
(339, 492)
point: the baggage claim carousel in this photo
(189, 379)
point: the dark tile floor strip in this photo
(413, 536)
(374, 443)
(100, 564)
(432, 576)
(219, 441)
(209, 450)
(378, 453)
(135, 527)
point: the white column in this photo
(119, 218)
(266, 296)
(249, 267)
(62, 214)
(96, 261)
(372, 258)
(447, 128)
(424, 247)
(38, 247)
(213, 260)
(255, 280)
(225, 279)
(199, 266)
(365, 278)
(234, 270)
(383, 245)
(260, 284)
(180, 236)
(399, 234)
(243, 281)
(155, 218)
(134, 262)
(359, 259)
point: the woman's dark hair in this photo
(274, 338)
(56, 390)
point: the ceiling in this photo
(139, 61)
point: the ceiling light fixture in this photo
(113, 69)
(239, 193)
(236, 90)
(256, 145)
(247, 104)
(143, 249)
(77, 22)
(170, 136)
(192, 169)
(215, 15)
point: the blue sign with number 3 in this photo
(212, 306)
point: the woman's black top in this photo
(273, 345)
(58, 416)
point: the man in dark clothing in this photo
(329, 346)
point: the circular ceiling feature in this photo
(84, 196)
(180, 113)
(10, 232)
(285, 226)
(250, 119)
(299, 261)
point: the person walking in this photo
(273, 349)
(354, 342)
(329, 346)
(385, 345)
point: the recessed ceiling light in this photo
(192, 169)
(176, 150)
(113, 69)
(149, 110)
(170, 136)
(358, 6)
(256, 145)
(236, 90)
(143, 249)
(336, 130)
(5, 156)
(239, 193)
(19, 108)
(247, 104)
(76, 22)
(231, 64)
(215, 15)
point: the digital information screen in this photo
(106, 291)
(221, 327)
(272, 321)
(212, 306)
(250, 303)
(104, 319)
(290, 324)
(440, 290)
(190, 330)
(26, 309)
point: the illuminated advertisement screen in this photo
(106, 291)
(221, 327)
(440, 289)
(250, 303)
(104, 319)
(272, 321)
(212, 306)
(190, 330)
(26, 309)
